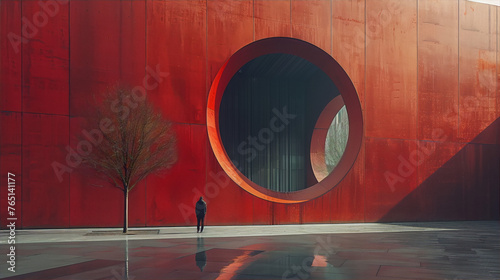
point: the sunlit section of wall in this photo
(489, 2)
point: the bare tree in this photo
(136, 141)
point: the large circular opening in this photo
(284, 120)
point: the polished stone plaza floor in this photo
(445, 250)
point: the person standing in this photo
(201, 210)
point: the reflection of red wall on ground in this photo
(426, 73)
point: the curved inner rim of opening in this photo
(268, 116)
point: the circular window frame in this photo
(338, 76)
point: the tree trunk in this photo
(125, 211)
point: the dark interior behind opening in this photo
(267, 116)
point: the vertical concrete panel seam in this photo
(496, 92)
(458, 69)
(1, 192)
(291, 27)
(208, 147)
(273, 221)
(145, 64)
(253, 199)
(253, 19)
(301, 213)
(418, 74)
(22, 115)
(364, 128)
(497, 96)
(331, 53)
(331, 28)
(69, 106)
(418, 168)
(22, 172)
(489, 44)
(120, 42)
(207, 74)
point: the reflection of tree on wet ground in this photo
(200, 257)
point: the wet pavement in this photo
(445, 250)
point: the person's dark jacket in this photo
(201, 208)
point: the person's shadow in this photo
(200, 257)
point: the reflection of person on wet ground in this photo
(201, 257)
(201, 210)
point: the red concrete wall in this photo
(426, 72)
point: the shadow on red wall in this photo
(475, 195)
